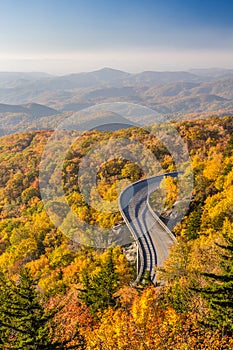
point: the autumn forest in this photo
(56, 293)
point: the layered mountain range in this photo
(30, 98)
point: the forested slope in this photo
(71, 296)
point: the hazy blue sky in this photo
(61, 36)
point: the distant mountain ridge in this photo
(170, 93)
(109, 75)
(33, 109)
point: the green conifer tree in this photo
(219, 294)
(25, 323)
(98, 292)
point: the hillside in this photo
(98, 306)
(31, 109)
(31, 116)
(171, 93)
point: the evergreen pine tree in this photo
(99, 290)
(5, 295)
(220, 292)
(25, 324)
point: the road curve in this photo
(152, 236)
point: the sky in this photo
(64, 36)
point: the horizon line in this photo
(213, 68)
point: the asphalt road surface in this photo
(153, 238)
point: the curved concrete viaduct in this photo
(152, 236)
